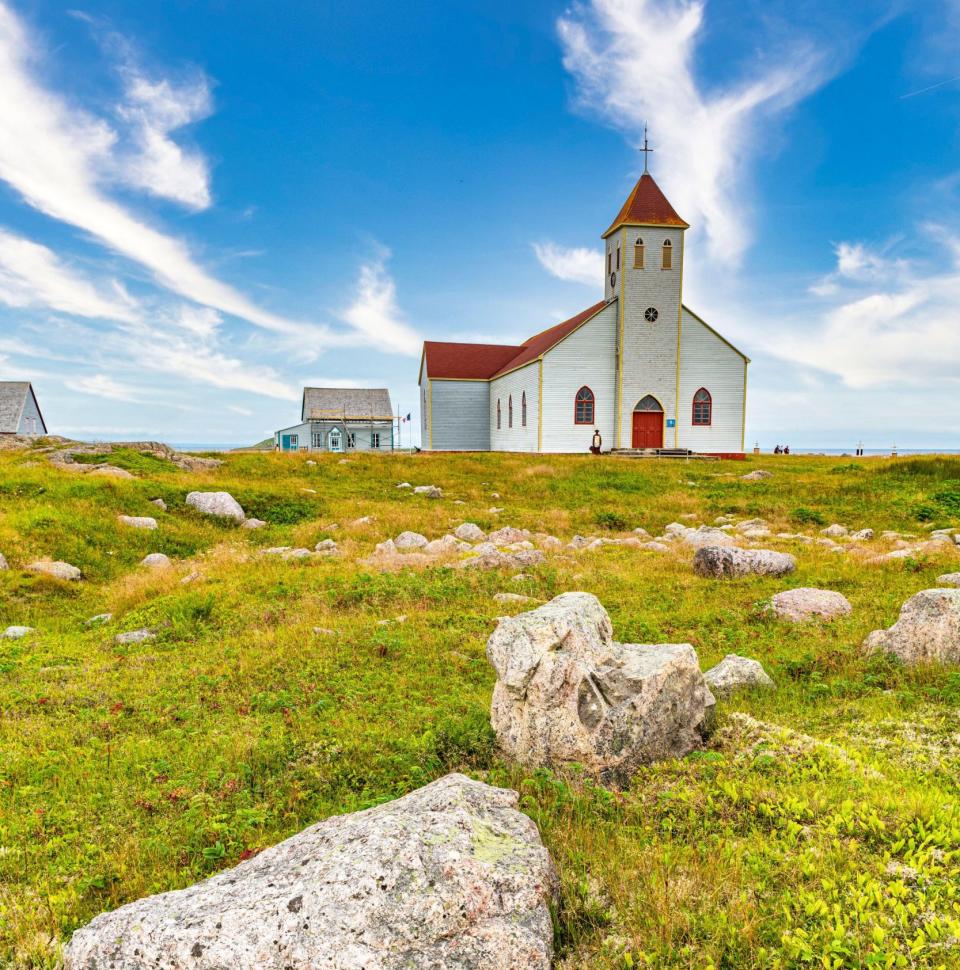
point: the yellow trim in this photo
(644, 225)
(457, 380)
(529, 363)
(430, 412)
(423, 360)
(619, 408)
(676, 400)
(540, 408)
(743, 423)
(716, 333)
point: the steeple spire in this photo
(646, 149)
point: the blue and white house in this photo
(340, 419)
(639, 368)
(19, 411)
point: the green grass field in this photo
(821, 827)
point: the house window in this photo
(316, 439)
(583, 406)
(374, 439)
(667, 254)
(702, 408)
(523, 409)
(351, 439)
(638, 254)
(510, 411)
(618, 257)
(498, 415)
(294, 442)
(609, 262)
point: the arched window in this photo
(523, 409)
(499, 421)
(609, 262)
(618, 257)
(667, 254)
(638, 254)
(510, 411)
(583, 406)
(648, 403)
(702, 408)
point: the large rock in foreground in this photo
(450, 876)
(566, 692)
(221, 504)
(928, 629)
(718, 562)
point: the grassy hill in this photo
(821, 827)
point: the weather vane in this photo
(646, 150)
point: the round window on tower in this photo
(650, 314)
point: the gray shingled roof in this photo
(12, 396)
(350, 402)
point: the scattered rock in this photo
(221, 504)
(706, 535)
(862, 535)
(949, 579)
(135, 636)
(452, 875)
(310, 461)
(16, 632)
(253, 524)
(719, 561)
(392, 620)
(734, 673)
(327, 547)
(159, 503)
(430, 491)
(3, 562)
(156, 560)
(446, 546)
(642, 533)
(469, 532)
(756, 476)
(190, 578)
(494, 510)
(655, 546)
(323, 631)
(110, 471)
(99, 619)
(410, 540)
(927, 630)
(835, 531)
(58, 570)
(806, 603)
(566, 692)
(513, 598)
(404, 485)
(388, 548)
(138, 521)
(362, 521)
(507, 535)
(504, 560)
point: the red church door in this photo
(648, 424)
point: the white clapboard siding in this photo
(586, 357)
(525, 380)
(459, 415)
(706, 360)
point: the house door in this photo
(289, 442)
(336, 440)
(648, 424)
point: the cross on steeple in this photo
(646, 150)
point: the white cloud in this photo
(375, 314)
(32, 275)
(577, 264)
(246, 412)
(100, 385)
(887, 321)
(634, 61)
(160, 166)
(56, 156)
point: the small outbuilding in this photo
(19, 411)
(340, 419)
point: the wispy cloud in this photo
(32, 275)
(635, 61)
(576, 264)
(885, 321)
(100, 385)
(375, 313)
(57, 158)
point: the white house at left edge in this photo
(19, 410)
(341, 419)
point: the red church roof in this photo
(479, 362)
(646, 206)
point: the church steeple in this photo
(646, 206)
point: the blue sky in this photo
(206, 205)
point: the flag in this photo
(407, 418)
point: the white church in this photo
(638, 367)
